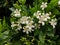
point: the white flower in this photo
(29, 24)
(37, 26)
(53, 22)
(41, 20)
(44, 17)
(24, 20)
(19, 26)
(17, 13)
(16, 25)
(59, 2)
(28, 28)
(13, 25)
(37, 14)
(44, 5)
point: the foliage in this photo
(31, 25)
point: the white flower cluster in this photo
(45, 16)
(42, 16)
(24, 20)
(28, 23)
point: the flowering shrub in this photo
(33, 25)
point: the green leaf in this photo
(40, 1)
(58, 42)
(16, 43)
(34, 9)
(22, 1)
(4, 35)
(12, 9)
(16, 6)
(42, 37)
(51, 34)
(55, 11)
(4, 22)
(52, 5)
(1, 27)
(36, 32)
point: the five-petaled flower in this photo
(17, 13)
(44, 5)
(53, 22)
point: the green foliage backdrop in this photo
(32, 22)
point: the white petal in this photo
(43, 23)
(29, 27)
(27, 32)
(58, 2)
(42, 2)
(26, 22)
(23, 30)
(48, 17)
(43, 8)
(23, 22)
(45, 2)
(53, 26)
(45, 19)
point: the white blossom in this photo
(13, 25)
(16, 25)
(24, 20)
(29, 24)
(28, 28)
(19, 26)
(37, 14)
(44, 17)
(59, 2)
(41, 20)
(28, 21)
(53, 22)
(44, 5)
(37, 26)
(17, 13)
